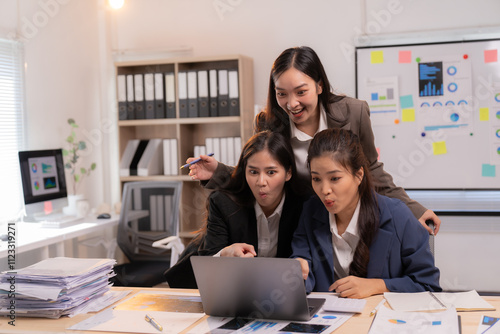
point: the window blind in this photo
(12, 122)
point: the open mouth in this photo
(296, 112)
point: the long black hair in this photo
(304, 59)
(344, 147)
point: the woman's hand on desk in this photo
(357, 287)
(239, 250)
(430, 215)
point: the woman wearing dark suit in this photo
(299, 105)
(352, 240)
(254, 214)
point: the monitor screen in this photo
(44, 183)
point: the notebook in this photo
(428, 301)
(262, 288)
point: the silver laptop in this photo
(263, 288)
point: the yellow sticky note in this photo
(377, 57)
(484, 114)
(439, 147)
(408, 115)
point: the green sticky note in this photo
(406, 101)
(484, 114)
(489, 170)
(408, 115)
(439, 147)
(377, 57)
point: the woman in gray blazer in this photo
(299, 105)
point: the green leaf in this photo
(70, 139)
(83, 170)
(67, 165)
(65, 152)
(71, 121)
(82, 145)
(77, 177)
(93, 166)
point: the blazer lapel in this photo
(338, 111)
(321, 231)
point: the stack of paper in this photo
(58, 286)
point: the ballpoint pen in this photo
(154, 323)
(194, 161)
(377, 307)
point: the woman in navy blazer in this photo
(352, 240)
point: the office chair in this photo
(148, 232)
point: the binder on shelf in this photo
(139, 96)
(166, 157)
(203, 108)
(209, 145)
(130, 97)
(234, 97)
(223, 150)
(223, 98)
(216, 148)
(213, 99)
(159, 98)
(199, 150)
(192, 81)
(231, 159)
(149, 95)
(137, 156)
(237, 148)
(127, 157)
(170, 95)
(174, 162)
(183, 94)
(151, 162)
(121, 87)
(170, 161)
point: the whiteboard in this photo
(435, 112)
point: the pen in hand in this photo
(194, 161)
(377, 307)
(154, 323)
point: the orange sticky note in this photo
(491, 56)
(408, 115)
(377, 57)
(484, 114)
(404, 57)
(439, 147)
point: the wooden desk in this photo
(359, 323)
(30, 236)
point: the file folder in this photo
(137, 156)
(223, 150)
(130, 97)
(203, 108)
(166, 157)
(149, 95)
(231, 159)
(213, 100)
(216, 148)
(174, 164)
(192, 93)
(159, 98)
(183, 94)
(170, 95)
(223, 94)
(139, 96)
(128, 155)
(209, 145)
(151, 162)
(121, 87)
(234, 98)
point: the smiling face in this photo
(335, 185)
(297, 94)
(266, 178)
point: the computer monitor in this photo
(44, 183)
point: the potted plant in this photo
(72, 163)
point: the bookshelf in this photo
(188, 131)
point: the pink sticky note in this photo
(47, 207)
(404, 57)
(491, 56)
